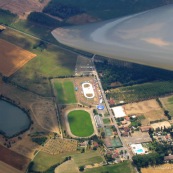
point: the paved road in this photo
(125, 146)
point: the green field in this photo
(167, 103)
(80, 123)
(141, 92)
(125, 167)
(64, 91)
(51, 61)
(43, 161)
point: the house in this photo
(145, 128)
(124, 122)
(168, 158)
(126, 129)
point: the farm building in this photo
(168, 158)
(118, 112)
(98, 120)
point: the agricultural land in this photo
(69, 132)
(13, 58)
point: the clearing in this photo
(65, 91)
(150, 109)
(167, 102)
(80, 123)
(12, 58)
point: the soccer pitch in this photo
(65, 92)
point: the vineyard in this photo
(57, 146)
(141, 92)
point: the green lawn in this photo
(65, 91)
(80, 123)
(106, 121)
(125, 167)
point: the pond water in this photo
(13, 120)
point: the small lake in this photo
(13, 120)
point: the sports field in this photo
(64, 91)
(80, 123)
(12, 57)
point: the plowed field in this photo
(12, 57)
(13, 159)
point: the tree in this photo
(81, 168)
(103, 135)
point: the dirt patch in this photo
(14, 159)
(163, 124)
(158, 169)
(12, 58)
(23, 7)
(82, 19)
(149, 108)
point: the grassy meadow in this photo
(80, 123)
(65, 92)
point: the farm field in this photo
(67, 167)
(125, 167)
(162, 124)
(4, 168)
(14, 159)
(80, 123)
(23, 7)
(50, 62)
(43, 161)
(167, 103)
(158, 169)
(58, 146)
(87, 158)
(141, 92)
(65, 91)
(149, 109)
(13, 58)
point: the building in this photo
(98, 120)
(118, 112)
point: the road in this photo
(125, 146)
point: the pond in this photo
(13, 120)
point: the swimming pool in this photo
(140, 151)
